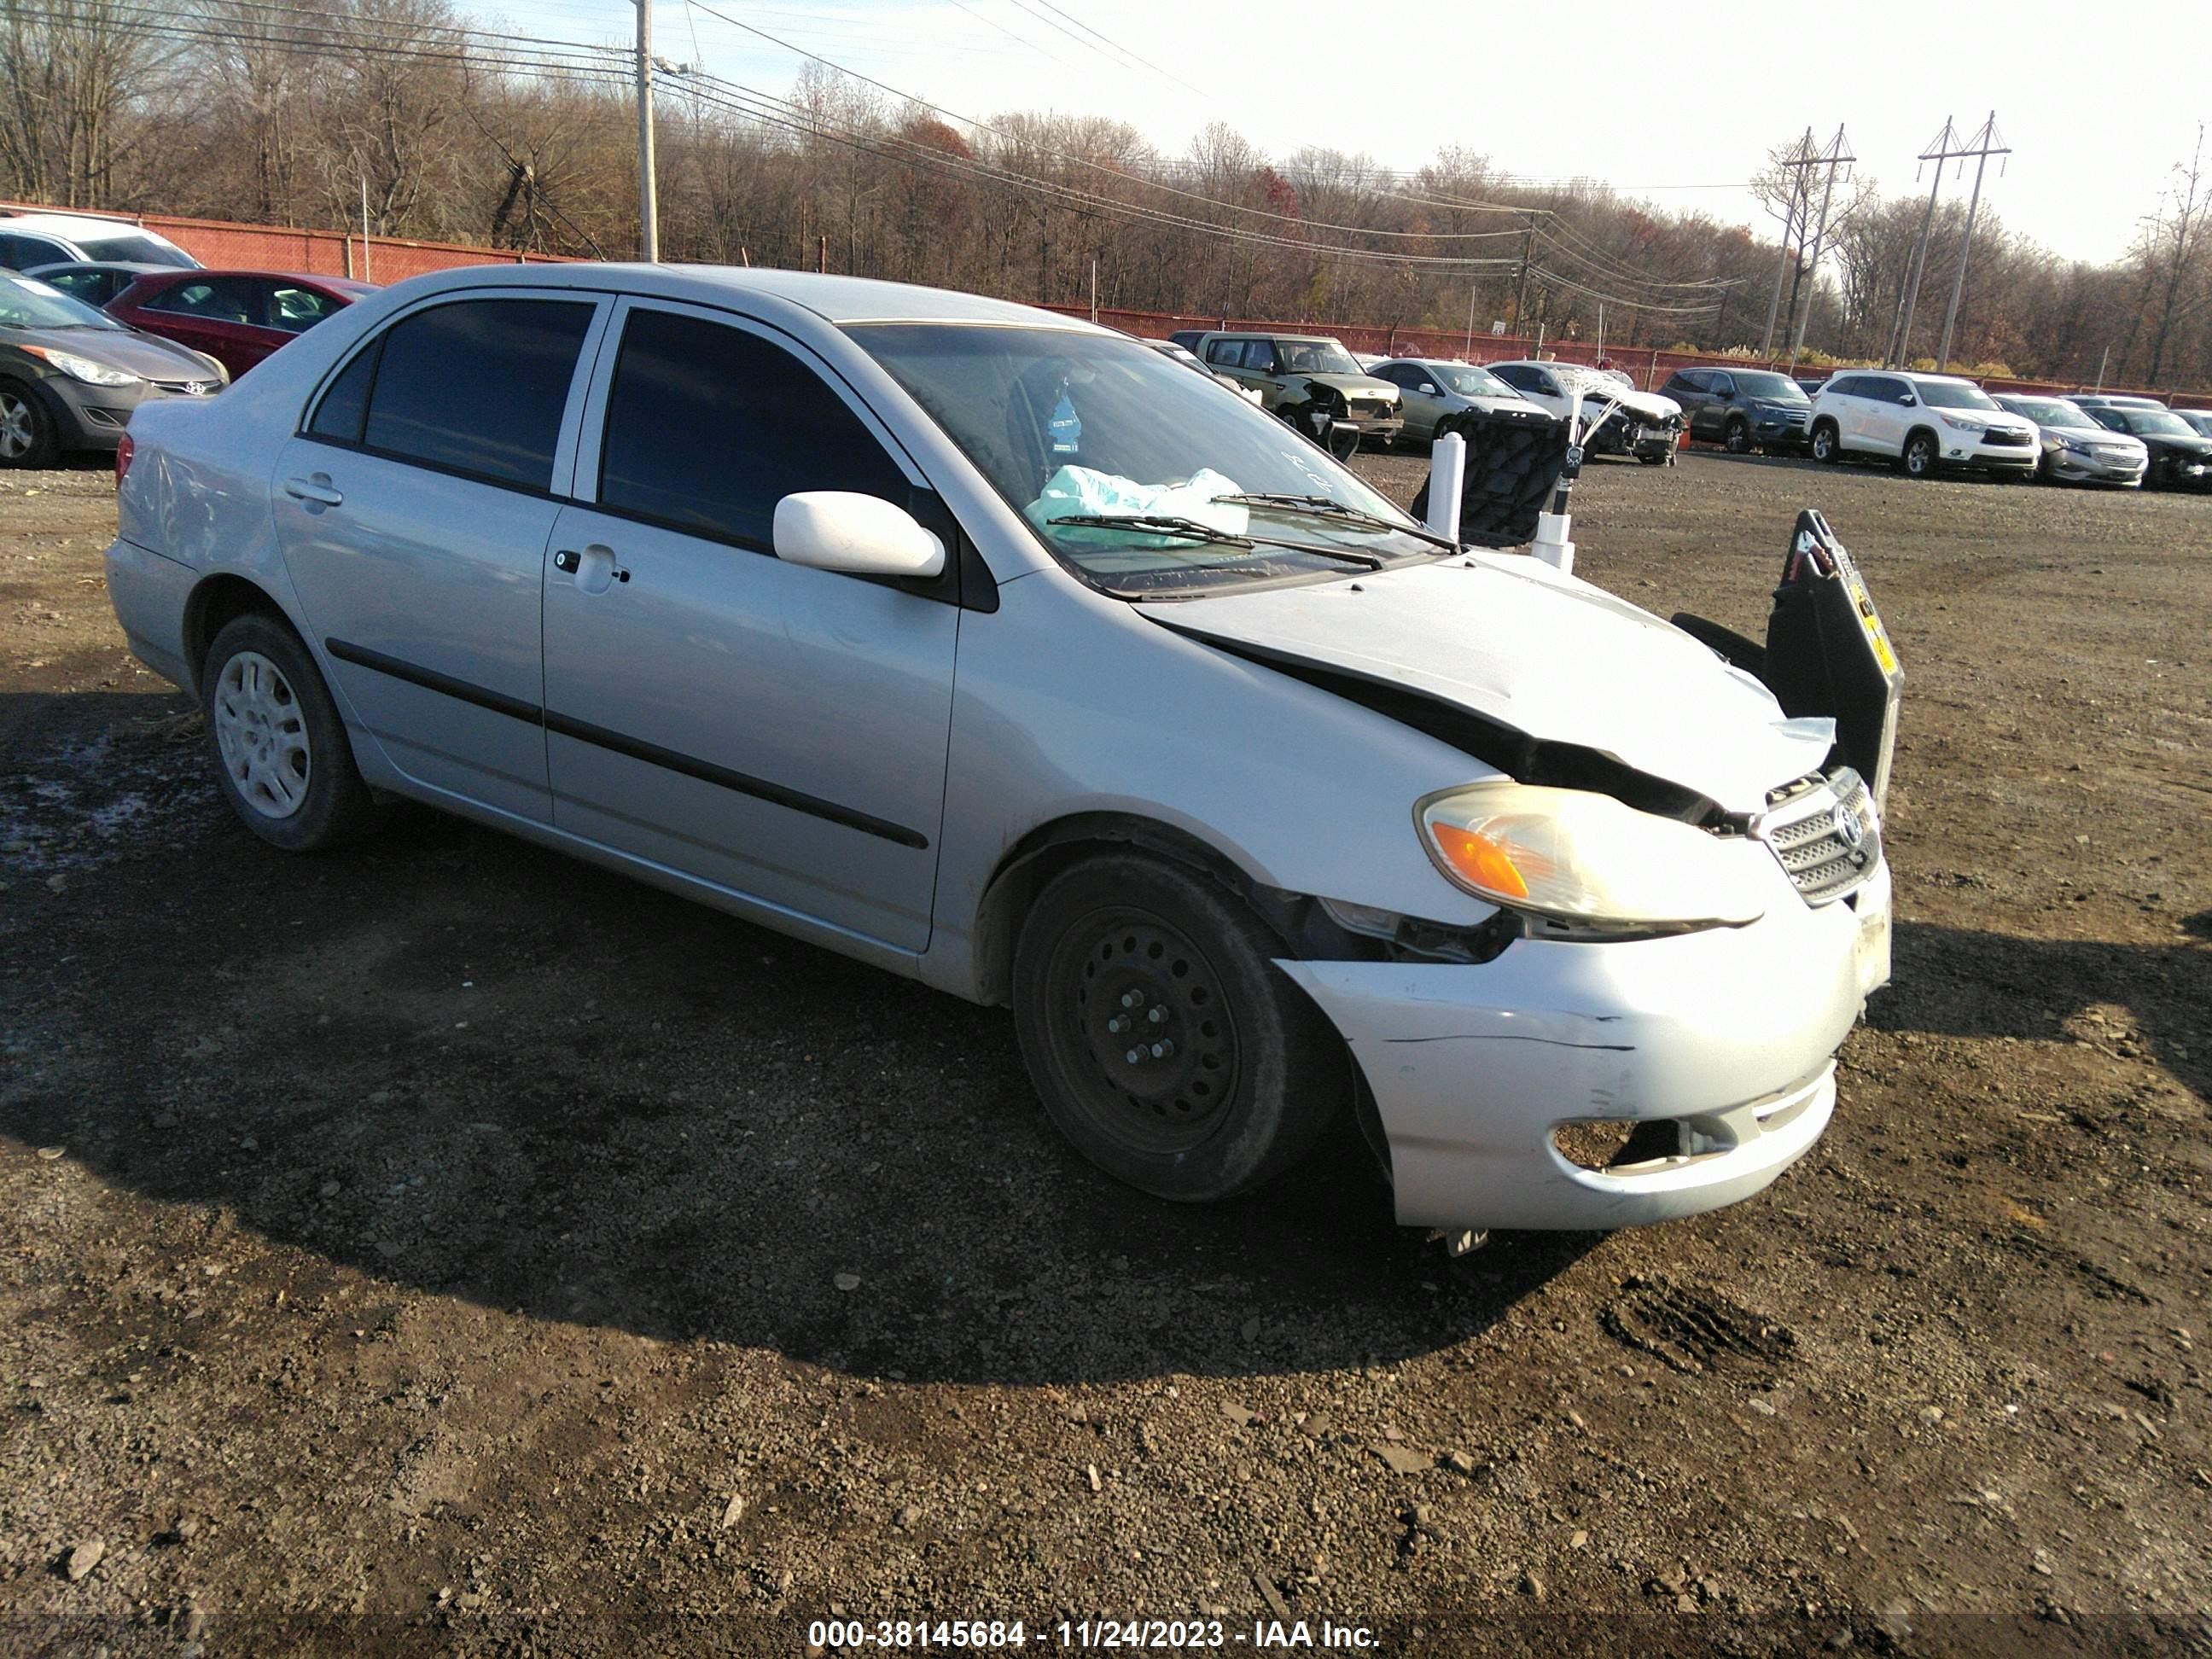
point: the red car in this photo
(236, 316)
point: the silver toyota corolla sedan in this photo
(994, 649)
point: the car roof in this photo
(96, 264)
(70, 224)
(200, 274)
(1914, 374)
(839, 299)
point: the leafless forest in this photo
(291, 112)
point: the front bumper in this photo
(1729, 1033)
(88, 417)
(2072, 468)
(1967, 449)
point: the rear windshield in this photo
(131, 247)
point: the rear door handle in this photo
(316, 489)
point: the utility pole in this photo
(1833, 157)
(648, 209)
(1986, 144)
(1900, 331)
(1521, 290)
(1794, 167)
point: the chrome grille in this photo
(1825, 833)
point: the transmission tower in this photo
(1832, 158)
(1986, 144)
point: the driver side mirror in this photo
(1427, 390)
(1908, 400)
(859, 535)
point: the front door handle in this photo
(594, 568)
(316, 490)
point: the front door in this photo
(414, 513)
(776, 731)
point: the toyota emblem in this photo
(1849, 830)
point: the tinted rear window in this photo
(132, 248)
(478, 386)
(709, 426)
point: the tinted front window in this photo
(478, 386)
(20, 252)
(1471, 382)
(709, 427)
(296, 310)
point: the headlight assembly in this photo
(1964, 424)
(83, 369)
(1587, 858)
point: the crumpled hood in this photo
(1354, 386)
(1511, 639)
(1645, 405)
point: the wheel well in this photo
(1829, 422)
(214, 606)
(1927, 431)
(1041, 854)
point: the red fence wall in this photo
(389, 259)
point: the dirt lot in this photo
(440, 1246)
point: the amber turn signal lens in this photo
(1481, 861)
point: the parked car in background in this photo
(95, 282)
(2180, 456)
(1296, 373)
(28, 241)
(1187, 338)
(2075, 449)
(1188, 359)
(1810, 385)
(1741, 409)
(1646, 425)
(236, 316)
(71, 376)
(1924, 423)
(2113, 400)
(1434, 392)
(1356, 801)
(2198, 421)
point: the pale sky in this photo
(1676, 103)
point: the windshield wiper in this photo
(1157, 524)
(1328, 507)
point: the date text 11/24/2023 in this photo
(826, 1636)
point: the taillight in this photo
(124, 451)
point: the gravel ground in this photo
(445, 1246)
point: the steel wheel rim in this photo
(1145, 1031)
(261, 733)
(15, 427)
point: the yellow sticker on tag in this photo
(1876, 635)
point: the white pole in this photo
(1447, 479)
(1094, 290)
(1469, 351)
(648, 209)
(364, 228)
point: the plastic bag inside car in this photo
(1080, 490)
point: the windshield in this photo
(2154, 420)
(2198, 421)
(1470, 381)
(1953, 394)
(27, 303)
(132, 248)
(1775, 388)
(2052, 411)
(1316, 357)
(1066, 424)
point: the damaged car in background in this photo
(1013, 658)
(1309, 381)
(1644, 424)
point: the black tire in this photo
(1251, 1073)
(1827, 443)
(1660, 460)
(1918, 461)
(2160, 474)
(28, 438)
(277, 744)
(1737, 438)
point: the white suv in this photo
(1923, 422)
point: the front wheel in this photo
(1825, 447)
(1738, 436)
(28, 437)
(1165, 1043)
(1919, 458)
(279, 746)
(2160, 473)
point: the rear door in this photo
(776, 731)
(414, 509)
